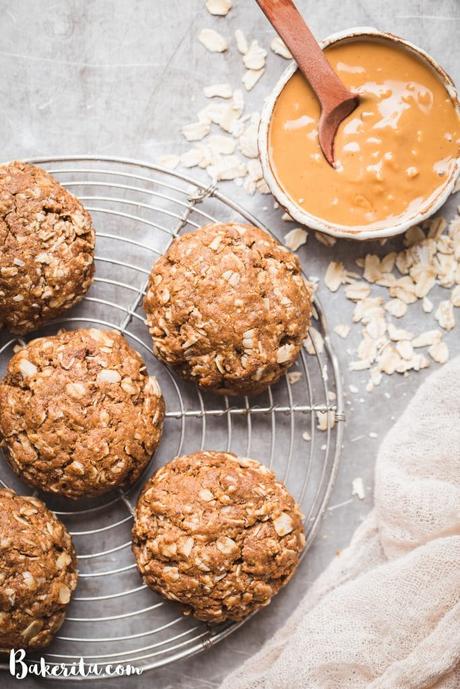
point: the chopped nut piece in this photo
(283, 524)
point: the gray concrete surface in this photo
(121, 77)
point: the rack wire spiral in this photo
(138, 209)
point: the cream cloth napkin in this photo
(386, 612)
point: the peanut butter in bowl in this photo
(396, 155)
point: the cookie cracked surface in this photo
(217, 533)
(37, 572)
(79, 414)
(228, 307)
(46, 248)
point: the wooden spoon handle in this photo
(289, 24)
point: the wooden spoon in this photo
(337, 102)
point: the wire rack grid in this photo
(138, 209)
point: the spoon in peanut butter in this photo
(336, 101)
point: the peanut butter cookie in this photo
(217, 533)
(79, 414)
(46, 248)
(227, 306)
(37, 572)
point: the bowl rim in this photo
(360, 232)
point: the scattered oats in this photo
(335, 276)
(439, 352)
(445, 315)
(195, 131)
(218, 91)
(325, 239)
(219, 7)
(251, 77)
(413, 236)
(248, 139)
(306, 436)
(314, 343)
(325, 420)
(294, 377)
(396, 307)
(404, 289)
(398, 334)
(353, 389)
(287, 218)
(241, 42)
(427, 305)
(372, 271)
(254, 58)
(357, 291)
(436, 227)
(405, 349)
(227, 167)
(296, 238)
(342, 330)
(376, 377)
(427, 338)
(359, 365)
(455, 296)
(278, 46)
(358, 488)
(191, 158)
(220, 144)
(372, 434)
(213, 41)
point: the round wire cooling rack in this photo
(295, 427)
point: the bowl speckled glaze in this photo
(430, 206)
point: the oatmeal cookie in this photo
(46, 248)
(227, 306)
(37, 572)
(217, 533)
(79, 414)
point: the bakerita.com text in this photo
(20, 669)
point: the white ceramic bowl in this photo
(430, 206)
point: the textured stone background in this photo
(119, 77)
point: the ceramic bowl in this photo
(430, 206)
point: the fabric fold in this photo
(385, 614)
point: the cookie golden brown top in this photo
(217, 533)
(228, 307)
(37, 572)
(46, 248)
(79, 414)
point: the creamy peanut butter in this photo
(393, 152)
